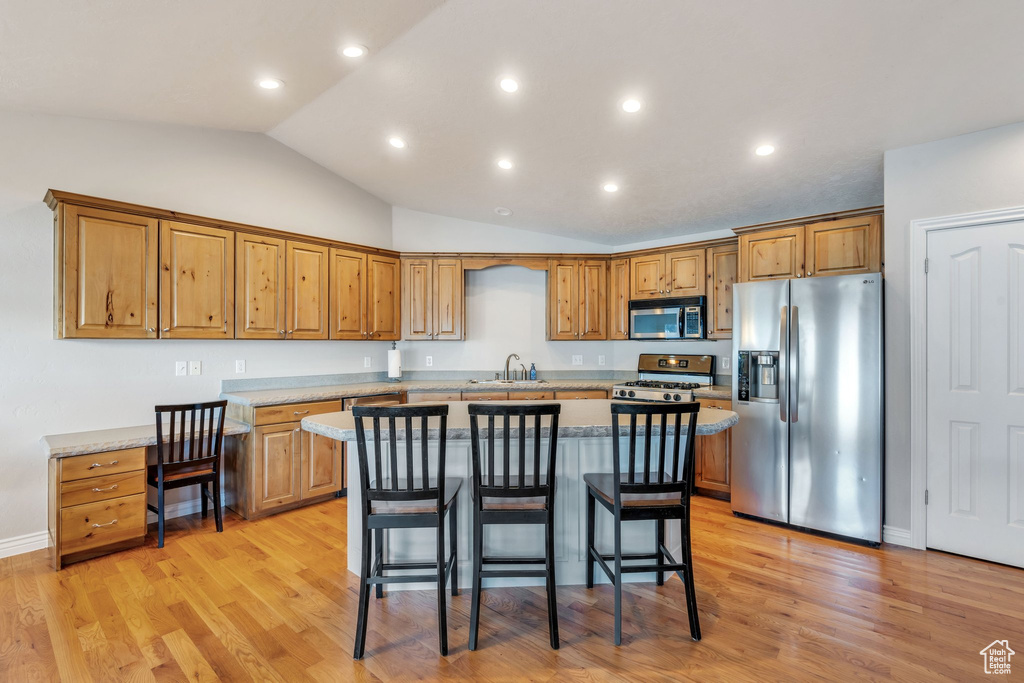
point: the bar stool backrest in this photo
(669, 473)
(520, 475)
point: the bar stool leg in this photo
(218, 514)
(442, 603)
(378, 541)
(478, 554)
(549, 537)
(160, 515)
(691, 591)
(591, 502)
(204, 502)
(364, 595)
(659, 541)
(453, 528)
(618, 580)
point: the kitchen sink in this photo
(507, 381)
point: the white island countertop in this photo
(578, 419)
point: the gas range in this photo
(667, 378)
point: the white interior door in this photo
(975, 437)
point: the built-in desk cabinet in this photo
(97, 504)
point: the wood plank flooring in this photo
(271, 600)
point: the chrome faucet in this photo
(508, 360)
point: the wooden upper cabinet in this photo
(722, 268)
(618, 299)
(197, 281)
(348, 294)
(449, 299)
(105, 275)
(647, 277)
(772, 254)
(418, 298)
(593, 298)
(844, 247)
(307, 291)
(383, 291)
(685, 272)
(259, 287)
(563, 299)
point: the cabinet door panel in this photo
(384, 288)
(563, 299)
(685, 272)
(307, 291)
(722, 270)
(647, 275)
(713, 453)
(276, 477)
(110, 275)
(197, 283)
(593, 292)
(449, 299)
(348, 294)
(321, 465)
(417, 290)
(772, 254)
(618, 299)
(844, 247)
(259, 282)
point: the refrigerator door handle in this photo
(783, 367)
(794, 364)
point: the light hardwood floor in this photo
(271, 600)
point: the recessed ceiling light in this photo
(611, 187)
(509, 84)
(396, 141)
(631, 106)
(505, 164)
(353, 50)
(764, 150)
(270, 83)
(502, 211)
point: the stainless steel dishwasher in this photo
(346, 405)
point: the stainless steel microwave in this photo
(680, 318)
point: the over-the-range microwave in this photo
(679, 318)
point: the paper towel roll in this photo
(394, 363)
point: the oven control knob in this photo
(667, 397)
(631, 393)
(677, 397)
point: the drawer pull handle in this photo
(109, 488)
(300, 412)
(97, 526)
(99, 464)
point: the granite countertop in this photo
(578, 419)
(274, 397)
(104, 440)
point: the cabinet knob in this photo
(809, 273)
(280, 331)
(290, 331)
(799, 274)
(167, 329)
(150, 329)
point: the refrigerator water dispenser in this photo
(758, 375)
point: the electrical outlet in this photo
(430, 361)
(195, 367)
(366, 361)
(180, 368)
(725, 362)
(577, 360)
(239, 366)
(600, 360)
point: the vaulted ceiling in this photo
(830, 85)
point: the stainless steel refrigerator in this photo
(807, 383)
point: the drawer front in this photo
(724, 404)
(106, 487)
(293, 412)
(484, 395)
(530, 395)
(433, 396)
(101, 464)
(88, 526)
(570, 395)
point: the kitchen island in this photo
(584, 445)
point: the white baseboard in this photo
(16, 545)
(896, 535)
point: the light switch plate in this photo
(366, 361)
(577, 360)
(239, 366)
(430, 361)
(195, 367)
(600, 360)
(726, 362)
(180, 368)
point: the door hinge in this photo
(926, 496)
(926, 266)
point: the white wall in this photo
(976, 172)
(49, 386)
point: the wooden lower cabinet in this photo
(713, 454)
(530, 395)
(279, 466)
(433, 396)
(97, 504)
(577, 395)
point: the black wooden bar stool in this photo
(404, 497)
(518, 494)
(658, 490)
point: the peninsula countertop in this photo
(282, 396)
(578, 419)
